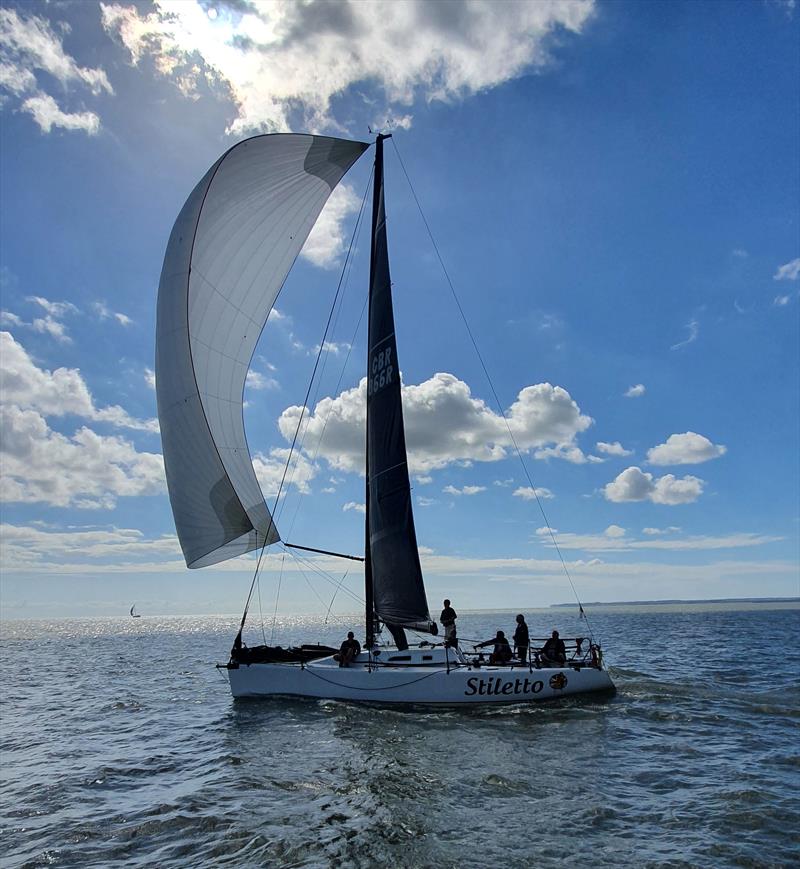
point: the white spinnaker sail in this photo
(228, 255)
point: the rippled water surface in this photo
(121, 745)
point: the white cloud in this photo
(53, 309)
(47, 114)
(27, 547)
(444, 424)
(635, 391)
(326, 244)
(635, 485)
(270, 471)
(739, 253)
(330, 347)
(9, 319)
(694, 330)
(613, 449)
(354, 505)
(55, 393)
(781, 301)
(85, 470)
(788, 271)
(105, 313)
(29, 45)
(685, 449)
(464, 490)
(281, 60)
(256, 380)
(150, 377)
(616, 539)
(32, 43)
(527, 493)
(672, 529)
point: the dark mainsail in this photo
(395, 589)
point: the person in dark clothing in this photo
(349, 650)
(501, 653)
(554, 651)
(521, 638)
(448, 620)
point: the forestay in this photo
(228, 255)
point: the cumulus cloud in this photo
(528, 493)
(354, 505)
(56, 393)
(277, 59)
(85, 470)
(444, 424)
(689, 448)
(635, 485)
(270, 471)
(613, 449)
(635, 391)
(326, 244)
(788, 271)
(28, 46)
(464, 490)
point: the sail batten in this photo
(228, 256)
(396, 589)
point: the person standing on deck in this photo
(448, 620)
(521, 638)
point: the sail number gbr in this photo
(381, 369)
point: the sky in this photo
(613, 189)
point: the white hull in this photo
(434, 685)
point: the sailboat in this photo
(134, 614)
(229, 253)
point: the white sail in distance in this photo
(229, 253)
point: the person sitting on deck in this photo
(554, 652)
(521, 638)
(501, 654)
(448, 620)
(348, 651)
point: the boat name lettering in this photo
(381, 370)
(495, 685)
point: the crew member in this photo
(349, 650)
(448, 620)
(501, 653)
(554, 652)
(521, 638)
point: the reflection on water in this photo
(121, 744)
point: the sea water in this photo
(121, 746)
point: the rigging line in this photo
(491, 385)
(327, 614)
(322, 574)
(299, 423)
(308, 581)
(277, 597)
(359, 225)
(261, 611)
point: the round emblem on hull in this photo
(558, 681)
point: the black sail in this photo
(395, 589)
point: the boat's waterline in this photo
(435, 686)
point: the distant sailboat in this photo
(134, 614)
(228, 256)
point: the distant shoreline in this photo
(682, 602)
